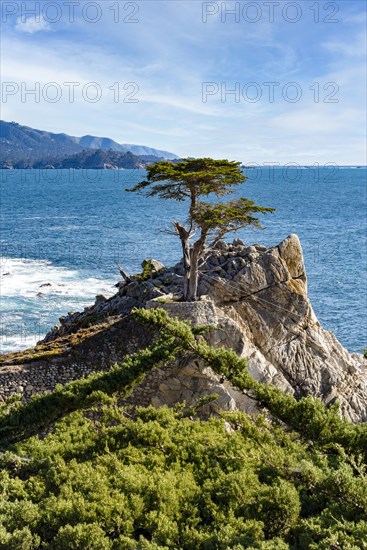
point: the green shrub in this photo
(83, 536)
(163, 480)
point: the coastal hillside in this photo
(91, 159)
(149, 423)
(22, 143)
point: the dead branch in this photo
(123, 274)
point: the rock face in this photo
(256, 297)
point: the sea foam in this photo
(34, 293)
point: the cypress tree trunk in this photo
(187, 269)
(186, 257)
(196, 253)
(192, 255)
(193, 280)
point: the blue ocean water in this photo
(66, 229)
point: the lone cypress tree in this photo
(189, 180)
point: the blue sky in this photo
(174, 63)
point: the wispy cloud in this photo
(355, 47)
(32, 25)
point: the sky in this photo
(259, 82)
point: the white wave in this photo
(35, 293)
(12, 343)
(23, 278)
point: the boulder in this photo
(152, 266)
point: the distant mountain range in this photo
(28, 146)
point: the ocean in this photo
(63, 231)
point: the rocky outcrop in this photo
(256, 298)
